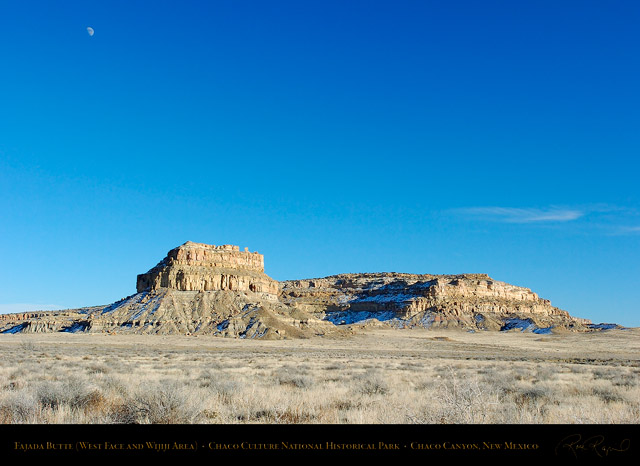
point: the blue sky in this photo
(493, 137)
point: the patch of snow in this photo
(76, 327)
(135, 299)
(426, 321)
(543, 331)
(17, 329)
(525, 325)
(386, 298)
(428, 284)
(603, 326)
(249, 309)
(346, 299)
(155, 302)
(259, 335)
(352, 317)
(252, 321)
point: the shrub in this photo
(18, 408)
(466, 400)
(74, 393)
(531, 395)
(372, 383)
(291, 377)
(161, 403)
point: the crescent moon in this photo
(90, 31)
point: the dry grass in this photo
(379, 377)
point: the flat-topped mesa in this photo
(225, 256)
(205, 267)
(464, 297)
(220, 290)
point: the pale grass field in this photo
(381, 377)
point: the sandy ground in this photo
(617, 347)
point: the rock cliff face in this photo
(220, 290)
(203, 267)
(471, 301)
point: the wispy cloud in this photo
(598, 218)
(523, 215)
(627, 230)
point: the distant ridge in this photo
(201, 289)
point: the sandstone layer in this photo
(200, 289)
(470, 301)
(204, 267)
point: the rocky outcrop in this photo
(222, 313)
(200, 289)
(203, 267)
(472, 301)
(45, 321)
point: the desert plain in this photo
(374, 376)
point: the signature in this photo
(594, 444)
